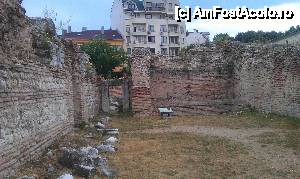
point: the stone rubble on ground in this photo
(66, 176)
(112, 133)
(109, 132)
(27, 177)
(90, 136)
(50, 153)
(105, 120)
(99, 125)
(103, 148)
(85, 171)
(111, 141)
(51, 168)
(86, 160)
(89, 151)
(115, 103)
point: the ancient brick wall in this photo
(219, 79)
(116, 91)
(268, 79)
(197, 83)
(92, 99)
(142, 104)
(43, 87)
(86, 85)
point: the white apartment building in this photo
(149, 24)
(197, 38)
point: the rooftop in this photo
(95, 34)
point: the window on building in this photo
(160, 4)
(170, 6)
(183, 40)
(174, 51)
(131, 6)
(162, 16)
(128, 40)
(152, 50)
(164, 51)
(171, 17)
(174, 40)
(151, 39)
(151, 28)
(128, 50)
(139, 27)
(128, 29)
(182, 30)
(164, 39)
(140, 39)
(148, 4)
(163, 28)
(173, 28)
(148, 16)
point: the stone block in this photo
(85, 171)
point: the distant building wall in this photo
(149, 24)
(197, 38)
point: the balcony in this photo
(139, 42)
(139, 32)
(155, 9)
(174, 22)
(174, 33)
(174, 45)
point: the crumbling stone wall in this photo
(195, 83)
(86, 85)
(43, 86)
(142, 104)
(268, 78)
(217, 79)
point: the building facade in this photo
(197, 38)
(112, 37)
(149, 24)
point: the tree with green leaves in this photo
(266, 37)
(105, 58)
(222, 38)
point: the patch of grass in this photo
(288, 139)
(233, 120)
(272, 120)
(186, 155)
(81, 125)
(128, 123)
(181, 155)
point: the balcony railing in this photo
(139, 42)
(155, 9)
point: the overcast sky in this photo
(96, 13)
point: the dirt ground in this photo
(246, 145)
(240, 145)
